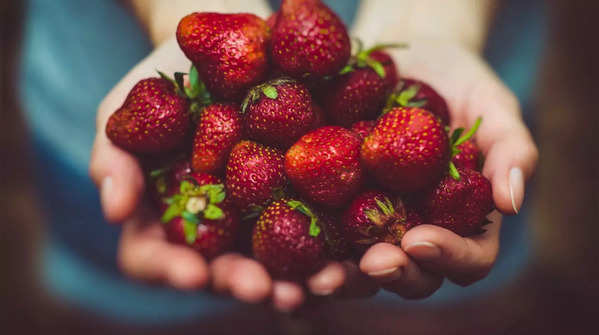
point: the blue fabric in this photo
(74, 52)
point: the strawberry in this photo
(415, 93)
(163, 179)
(254, 176)
(363, 128)
(407, 151)
(199, 215)
(460, 205)
(361, 91)
(153, 119)
(287, 239)
(309, 39)
(469, 156)
(319, 117)
(324, 165)
(220, 126)
(278, 112)
(374, 216)
(271, 21)
(229, 50)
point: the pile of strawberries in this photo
(281, 143)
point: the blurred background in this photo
(552, 51)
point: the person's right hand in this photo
(144, 252)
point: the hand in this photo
(144, 252)
(429, 253)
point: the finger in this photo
(287, 296)
(510, 152)
(144, 254)
(327, 280)
(244, 278)
(357, 283)
(392, 267)
(119, 177)
(462, 260)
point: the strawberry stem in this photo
(314, 229)
(470, 132)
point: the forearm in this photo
(160, 17)
(463, 22)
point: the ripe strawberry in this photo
(309, 39)
(200, 216)
(460, 205)
(407, 151)
(153, 119)
(363, 128)
(360, 93)
(271, 21)
(278, 112)
(229, 50)
(374, 217)
(219, 128)
(415, 93)
(254, 176)
(469, 156)
(163, 179)
(324, 165)
(287, 239)
(319, 117)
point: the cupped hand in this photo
(145, 253)
(428, 254)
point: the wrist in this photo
(461, 22)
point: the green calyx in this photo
(267, 89)
(193, 204)
(404, 97)
(196, 92)
(361, 58)
(455, 140)
(299, 206)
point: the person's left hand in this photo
(428, 254)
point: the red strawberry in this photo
(229, 50)
(319, 117)
(271, 21)
(219, 128)
(254, 175)
(309, 39)
(415, 93)
(363, 128)
(278, 112)
(153, 119)
(374, 217)
(360, 94)
(324, 165)
(287, 239)
(199, 216)
(460, 205)
(407, 151)
(163, 179)
(469, 156)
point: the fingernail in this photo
(516, 181)
(424, 250)
(106, 192)
(387, 275)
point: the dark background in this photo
(557, 293)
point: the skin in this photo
(450, 62)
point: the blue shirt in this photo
(74, 53)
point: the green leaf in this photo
(171, 212)
(195, 86)
(383, 206)
(215, 192)
(376, 66)
(270, 91)
(456, 135)
(453, 171)
(300, 207)
(470, 132)
(186, 186)
(190, 230)
(314, 230)
(346, 69)
(190, 217)
(158, 172)
(403, 99)
(212, 212)
(418, 103)
(161, 185)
